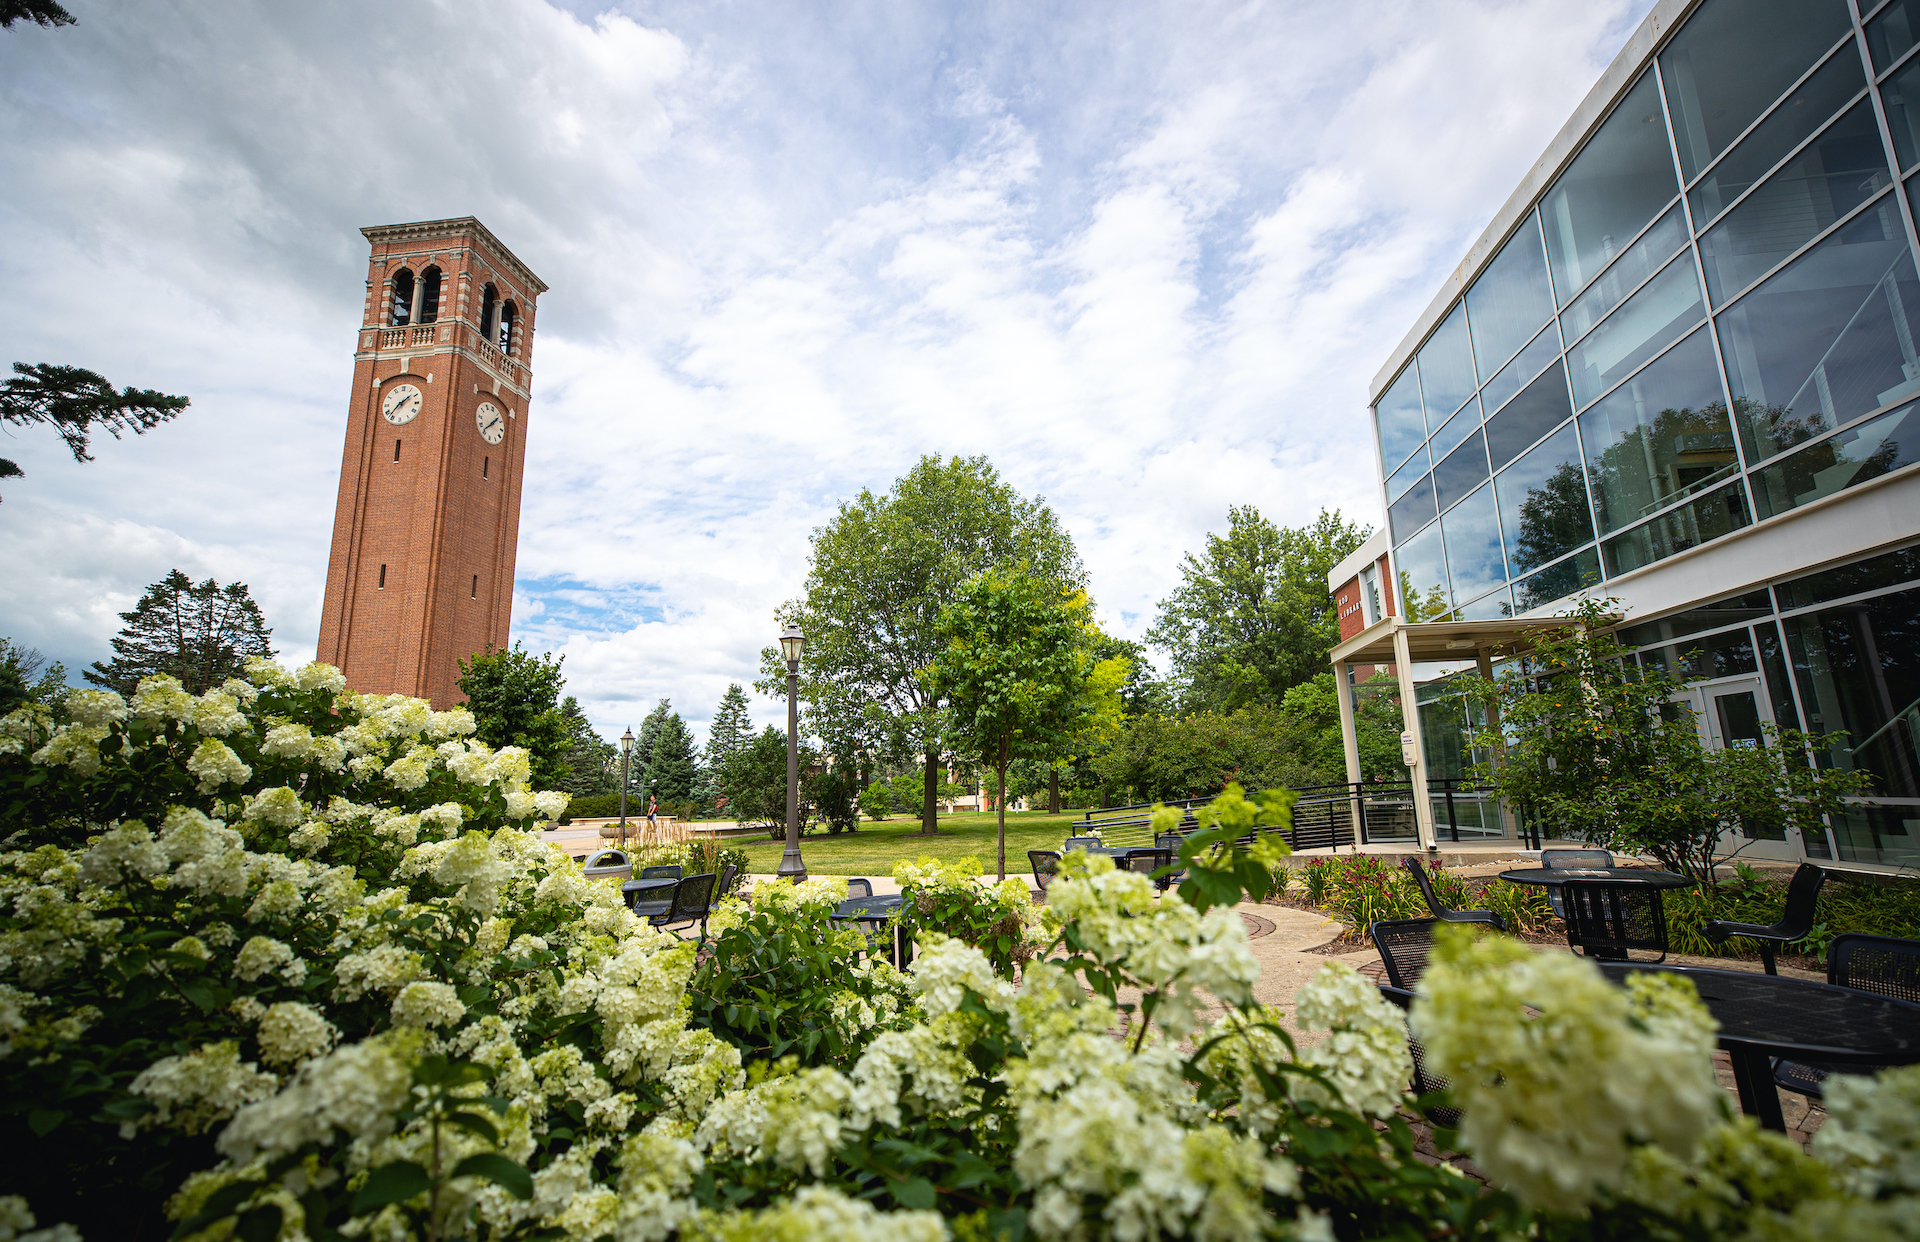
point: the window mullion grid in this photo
(1899, 62)
(1783, 161)
(1648, 279)
(1716, 310)
(1658, 216)
(1886, 133)
(1819, 63)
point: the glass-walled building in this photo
(1680, 370)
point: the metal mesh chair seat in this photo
(692, 902)
(1612, 918)
(1046, 865)
(1447, 914)
(1794, 924)
(724, 885)
(667, 871)
(1081, 843)
(1404, 945)
(859, 888)
(1562, 860)
(1423, 1080)
(1147, 862)
(1172, 841)
(1883, 965)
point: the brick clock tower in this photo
(424, 532)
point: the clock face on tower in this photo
(402, 404)
(492, 427)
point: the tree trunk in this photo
(1053, 791)
(1000, 803)
(930, 814)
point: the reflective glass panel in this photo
(1710, 616)
(1543, 502)
(1543, 350)
(1891, 34)
(1413, 510)
(1859, 671)
(1658, 436)
(1558, 581)
(1462, 471)
(1688, 526)
(1841, 169)
(1806, 110)
(1827, 338)
(1653, 248)
(1458, 428)
(1489, 607)
(1398, 421)
(1901, 94)
(1406, 476)
(1620, 179)
(1876, 573)
(1540, 408)
(1422, 566)
(1722, 655)
(1732, 59)
(1446, 368)
(1779, 685)
(1510, 300)
(1474, 562)
(1858, 454)
(1665, 307)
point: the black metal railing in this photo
(1324, 817)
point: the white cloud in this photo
(1145, 257)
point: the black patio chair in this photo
(1172, 841)
(1794, 924)
(1146, 862)
(1612, 919)
(859, 888)
(692, 902)
(668, 871)
(1046, 865)
(1883, 965)
(1404, 945)
(1080, 843)
(1423, 1080)
(729, 875)
(1562, 860)
(1444, 913)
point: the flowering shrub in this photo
(316, 1000)
(948, 898)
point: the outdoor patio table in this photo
(1554, 877)
(637, 891)
(1766, 1016)
(873, 910)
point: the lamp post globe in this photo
(626, 753)
(791, 868)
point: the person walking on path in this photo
(653, 809)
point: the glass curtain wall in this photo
(1705, 321)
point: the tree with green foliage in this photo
(669, 755)
(26, 676)
(72, 400)
(515, 700)
(754, 780)
(729, 730)
(40, 12)
(883, 569)
(1016, 670)
(201, 633)
(1252, 615)
(595, 762)
(1598, 747)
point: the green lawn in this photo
(877, 846)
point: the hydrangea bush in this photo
(286, 962)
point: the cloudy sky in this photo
(1146, 257)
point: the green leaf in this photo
(391, 1183)
(915, 1193)
(502, 1172)
(43, 1121)
(205, 993)
(475, 1124)
(260, 1225)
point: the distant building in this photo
(1679, 368)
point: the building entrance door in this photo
(1729, 713)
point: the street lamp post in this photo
(791, 868)
(626, 754)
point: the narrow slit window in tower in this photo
(402, 299)
(383, 577)
(476, 588)
(489, 303)
(485, 462)
(396, 450)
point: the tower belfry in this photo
(428, 516)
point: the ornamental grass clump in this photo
(353, 994)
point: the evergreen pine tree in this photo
(201, 634)
(667, 744)
(730, 729)
(594, 760)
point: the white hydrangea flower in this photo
(278, 899)
(823, 1212)
(471, 762)
(520, 804)
(266, 673)
(17, 1221)
(412, 769)
(126, 847)
(242, 692)
(262, 955)
(1872, 1134)
(216, 765)
(95, 707)
(162, 698)
(1366, 1056)
(328, 752)
(23, 728)
(192, 1092)
(317, 676)
(356, 1089)
(75, 746)
(217, 714)
(1560, 1074)
(291, 1033)
(364, 766)
(458, 722)
(793, 1119)
(279, 807)
(428, 1004)
(552, 803)
(288, 741)
(386, 968)
(309, 837)
(446, 817)
(192, 946)
(947, 968)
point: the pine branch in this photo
(75, 401)
(40, 12)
